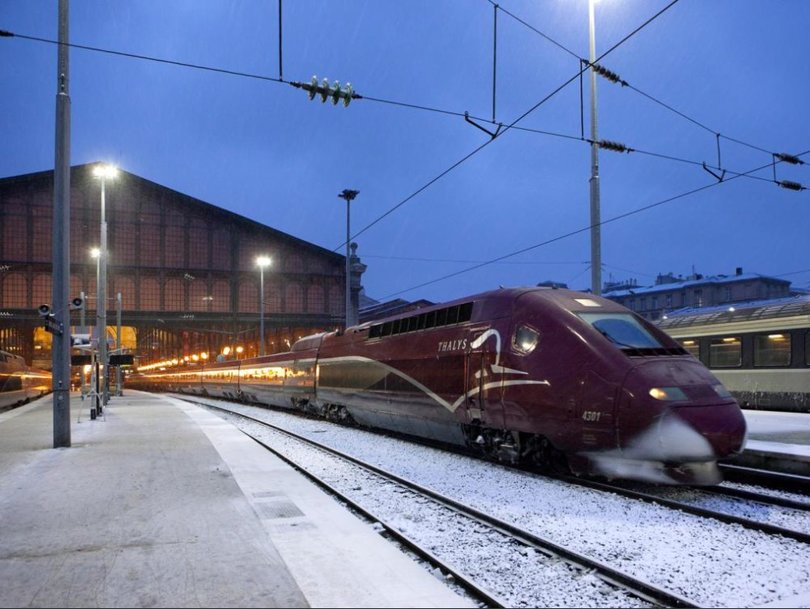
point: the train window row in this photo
(423, 321)
(778, 349)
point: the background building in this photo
(671, 293)
(186, 271)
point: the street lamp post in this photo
(96, 253)
(262, 262)
(349, 195)
(103, 172)
(596, 230)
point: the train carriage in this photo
(759, 350)
(535, 375)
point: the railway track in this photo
(502, 550)
(692, 500)
(792, 483)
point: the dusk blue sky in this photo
(261, 149)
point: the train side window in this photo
(386, 329)
(441, 317)
(431, 319)
(395, 326)
(772, 350)
(452, 315)
(725, 352)
(692, 345)
(807, 348)
(413, 323)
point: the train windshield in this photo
(622, 329)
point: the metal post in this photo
(349, 195)
(118, 374)
(261, 309)
(81, 324)
(596, 230)
(61, 242)
(101, 307)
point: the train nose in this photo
(701, 418)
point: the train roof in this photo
(738, 312)
(498, 298)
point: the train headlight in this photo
(668, 394)
(525, 339)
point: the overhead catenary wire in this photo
(5, 33)
(613, 77)
(579, 231)
(510, 125)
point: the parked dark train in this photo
(759, 350)
(545, 376)
(18, 382)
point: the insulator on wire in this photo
(791, 185)
(610, 75)
(789, 158)
(615, 146)
(327, 91)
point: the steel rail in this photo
(725, 517)
(640, 588)
(777, 480)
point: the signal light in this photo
(77, 304)
(44, 310)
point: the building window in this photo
(198, 248)
(294, 299)
(174, 295)
(725, 352)
(15, 292)
(315, 299)
(14, 238)
(337, 304)
(249, 296)
(669, 301)
(122, 248)
(175, 246)
(772, 349)
(150, 294)
(221, 296)
(150, 241)
(43, 236)
(42, 291)
(221, 250)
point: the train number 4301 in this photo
(591, 415)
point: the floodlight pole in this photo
(118, 375)
(61, 242)
(596, 221)
(349, 195)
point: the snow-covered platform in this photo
(777, 440)
(161, 503)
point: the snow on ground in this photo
(713, 564)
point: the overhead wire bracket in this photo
(484, 129)
(720, 177)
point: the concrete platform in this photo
(161, 503)
(779, 441)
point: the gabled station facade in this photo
(185, 269)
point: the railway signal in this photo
(49, 320)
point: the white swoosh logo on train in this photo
(426, 390)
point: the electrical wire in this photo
(640, 92)
(507, 128)
(580, 230)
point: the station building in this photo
(185, 269)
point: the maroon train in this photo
(539, 375)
